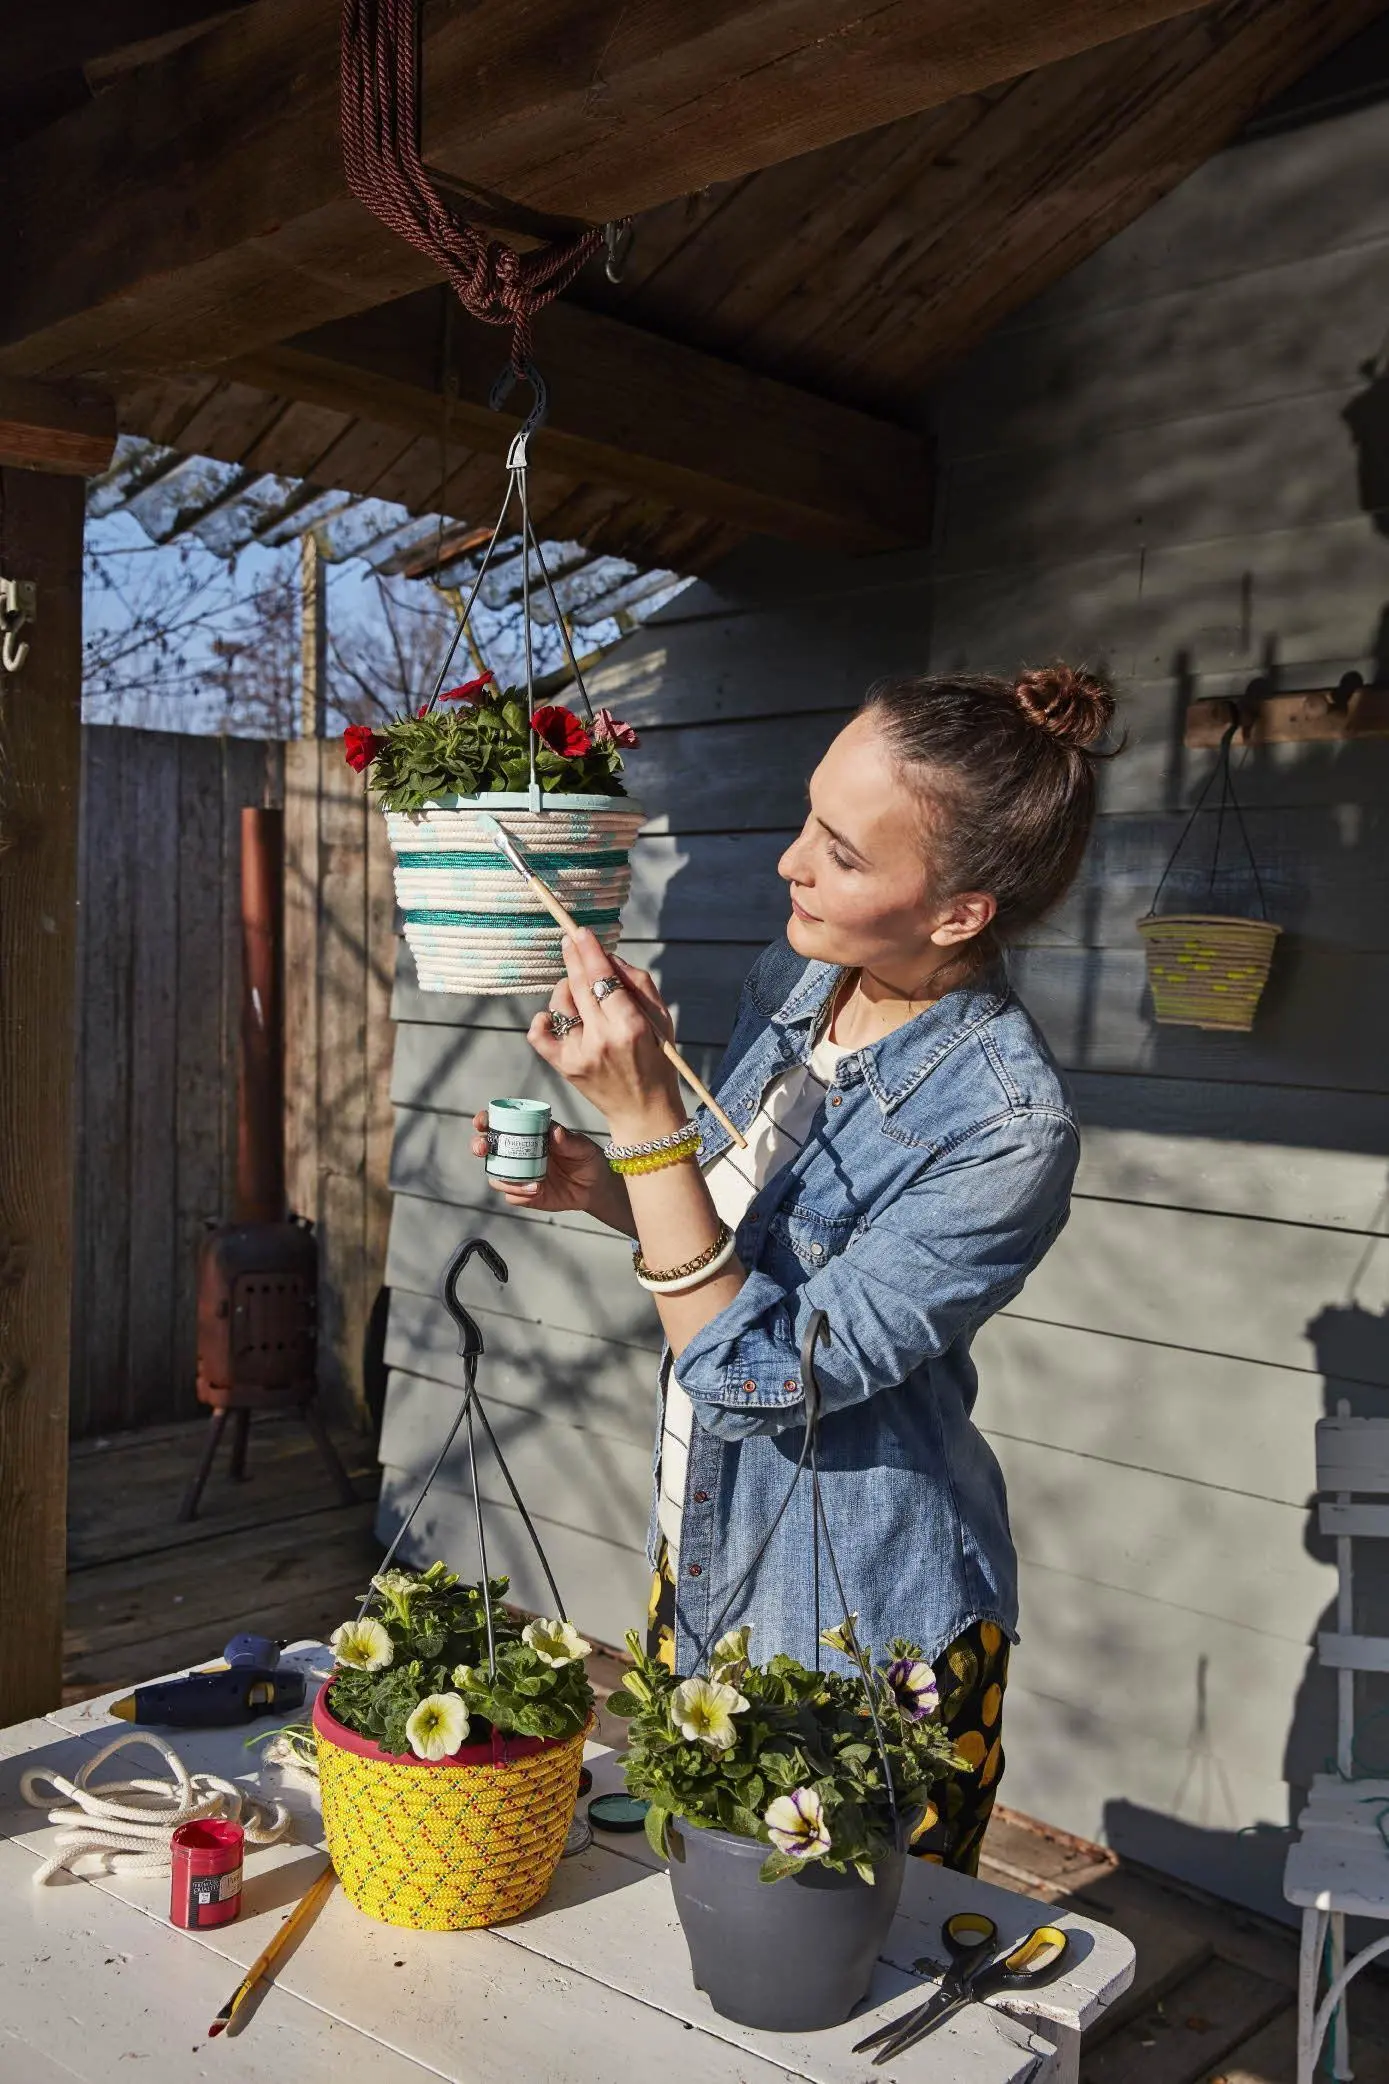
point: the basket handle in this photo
(1228, 799)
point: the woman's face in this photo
(862, 893)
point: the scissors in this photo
(975, 1973)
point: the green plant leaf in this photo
(654, 1825)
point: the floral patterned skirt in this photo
(971, 1676)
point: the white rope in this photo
(125, 1826)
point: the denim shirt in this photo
(934, 1177)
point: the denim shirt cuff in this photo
(746, 1357)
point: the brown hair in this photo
(1013, 766)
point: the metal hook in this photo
(618, 234)
(13, 652)
(470, 1344)
(817, 1333)
(506, 384)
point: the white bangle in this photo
(716, 1265)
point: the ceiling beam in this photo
(64, 429)
(198, 208)
(627, 408)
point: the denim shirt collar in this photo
(893, 1068)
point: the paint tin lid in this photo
(617, 1812)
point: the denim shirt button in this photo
(696, 1570)
(790, 1387)
(749, 1389)
(836, 1099)
(701, 1497)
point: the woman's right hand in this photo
(577, 1176)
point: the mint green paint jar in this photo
(518, 1138)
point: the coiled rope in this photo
(124, 1826)
(379, 116)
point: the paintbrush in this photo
(503, 840)
(260, 1967)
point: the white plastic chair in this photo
(1339, 1866)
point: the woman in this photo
(911, 1148)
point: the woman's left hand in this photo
(614, 1059)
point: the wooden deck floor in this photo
(1216, 1990)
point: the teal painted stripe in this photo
(523, 922)
(447, 857)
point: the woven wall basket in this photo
(1205, 970)
(444, 1846)
(472, 924)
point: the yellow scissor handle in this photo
(970, 1929)
(1038, 1951)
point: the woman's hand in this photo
(614, 1059)
(577, 1176)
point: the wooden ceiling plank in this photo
(1067, 160)
(59, 428)
(296, 441)
(160, 408)
(229, 423)
(632, 410)
(199, 206)
(361, 456)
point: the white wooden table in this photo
(594, 1985)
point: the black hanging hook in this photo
(470, 1344)
(506, 383)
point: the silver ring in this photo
(606, 986)
(562, 1024)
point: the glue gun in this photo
(247, 1683)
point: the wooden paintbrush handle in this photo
(697, 1086)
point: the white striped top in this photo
(780, 1126)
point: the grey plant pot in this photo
(789, 1956)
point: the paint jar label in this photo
(206, 1891)
(504, 1143)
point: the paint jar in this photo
(206, 1882)
(518, 1138)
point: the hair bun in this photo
(1075, 706)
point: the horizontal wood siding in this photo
(1161, 465)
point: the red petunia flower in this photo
(468, 690)
(360, 746)
(561, 730)
(607, 730)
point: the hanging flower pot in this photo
(450, 1737)
(444, 1844)
(1208, 969)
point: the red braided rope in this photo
(381, 156)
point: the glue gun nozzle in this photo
(124, 1707)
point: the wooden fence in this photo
(159, 995)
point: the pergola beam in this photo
(198, 208)
(629, 409)
(56, 427)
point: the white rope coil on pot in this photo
(124, 1826)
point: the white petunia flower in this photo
(462, 1673)
(730, 1653)
(555, 1643)
(438, 1726)
(364, 1645)
(796, 1824)
(703, 1710)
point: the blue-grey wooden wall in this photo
(1168, 464)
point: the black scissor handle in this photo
(469, 1336)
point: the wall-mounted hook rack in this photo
(1308, 716)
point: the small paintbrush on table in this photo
(570, 925)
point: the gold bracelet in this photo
(692, 1266)
(655, 1161)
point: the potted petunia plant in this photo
(813, 1781)
(449, 1772)
(553, 777)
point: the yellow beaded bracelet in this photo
(654, 1161)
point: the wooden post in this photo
(40, 749)
(313, 596)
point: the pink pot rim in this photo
(494, 1750)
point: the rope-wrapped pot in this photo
(444, 1845)
(472, 924)
(1206, 970)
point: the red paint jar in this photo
(206, 1884)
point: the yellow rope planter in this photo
(1205, 970)
(443, 1846)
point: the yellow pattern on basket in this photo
(1206, 970)
(447, 1847)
